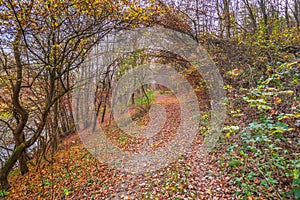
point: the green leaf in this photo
(297, 193)
(3, 193)
(66, 191)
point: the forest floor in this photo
(74, 173)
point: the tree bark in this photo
(8, 166)
(226, 4)
(251, 15)
(18, 133)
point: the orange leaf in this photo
(251, 198)
(256, 181)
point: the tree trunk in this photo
(297, 13)
(251, 15)
(286, 14)
(263, 9)
(21, 118)
(226, 4)
(9, 165)
(18, 133)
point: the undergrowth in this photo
(263, 153)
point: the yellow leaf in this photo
(277, 100)
(208, 191)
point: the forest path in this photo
(77, 174)
(193, 176)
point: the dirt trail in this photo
(193, 176)
(77, 174)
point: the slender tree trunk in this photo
(286, 13)
(251, 15)
(226, 12)
(18, 133)
(297, 14)
(263, 9)
(220, 18)
(9, 165)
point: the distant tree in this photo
(296, 13)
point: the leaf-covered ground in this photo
(75, 174)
